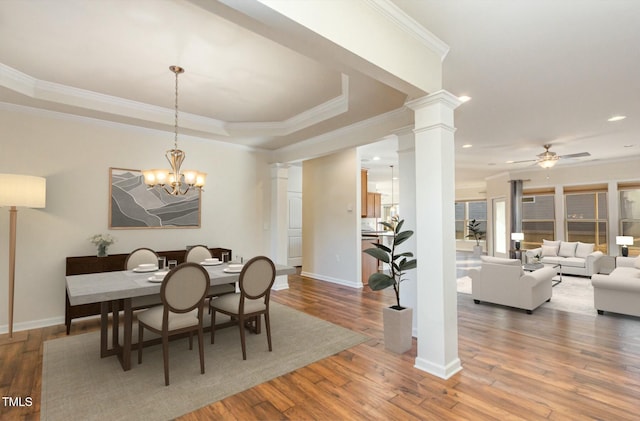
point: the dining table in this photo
(113, 289)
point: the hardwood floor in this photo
(548, 365)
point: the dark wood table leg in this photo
(128, 331)
(104, 329)
(115, 311)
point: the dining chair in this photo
(137, 257)
(198, 254)
(256, 279)
(182, 292)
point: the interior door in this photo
(500, 227)
(294, 249)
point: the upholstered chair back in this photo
(140, 256)
(197, 254)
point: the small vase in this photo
(102, 250)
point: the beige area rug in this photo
(78, 385)
(573, 294)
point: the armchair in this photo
(503, 281)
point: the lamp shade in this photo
(22, 190)
(517, 236)
(624, 240)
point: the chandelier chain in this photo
(175, 125)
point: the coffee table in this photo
(530, 267)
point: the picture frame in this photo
(134, 205)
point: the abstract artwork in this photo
(133, 205)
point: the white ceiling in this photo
(539, 71)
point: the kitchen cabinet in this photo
(369, 263)
(374, 205)
(363, 192)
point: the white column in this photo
(279, 209)
(407, 175)
(435, 221)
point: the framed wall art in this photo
(133, 205)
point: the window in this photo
(630, 216)
(538, 219)
(586, 218)
(465, 212)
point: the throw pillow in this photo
(555, 244)
(584, 249)
(549, 251)
(567, 249)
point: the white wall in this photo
(75, 155)
(331, 218)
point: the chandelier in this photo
(174, 181)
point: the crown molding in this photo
(409, 25)
(307, 118)
(67, 95)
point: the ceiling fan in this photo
(548, 159)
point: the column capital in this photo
(279, 170)
(439, 97)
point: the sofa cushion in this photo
(584, 249)
(552, 260)
(549, 243)
(549, 251)
(625, 272)
(567, 249)
(501, 260)
(574, 262)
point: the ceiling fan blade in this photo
(576, 155)
(521, 162)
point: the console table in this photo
(91, 264)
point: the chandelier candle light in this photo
(174, 181)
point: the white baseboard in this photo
(281, 282)
(33, 324)
(442, 371)
(344, 282)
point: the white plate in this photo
(210, 264)
(155, 279)
(143, 270)
(235, 265)
(232, 270)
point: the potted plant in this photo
(477, 234)
(397, 320)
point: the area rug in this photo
(574, 294)
(78, 385)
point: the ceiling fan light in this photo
(547, 163)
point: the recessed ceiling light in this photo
(376, 158)
(629, 146)
(468, 145)
(464, 98)
(617, 118)
(509, 162)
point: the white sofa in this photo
(503, 281)
(619, 292)
(576, 258)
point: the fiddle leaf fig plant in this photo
(474, 231)
(398, 262)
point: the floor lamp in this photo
(18, 191)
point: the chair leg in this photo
(213, 325)
(242, 339)
(267, 324)
(201, 346)
(165, 357)
(140, 342)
